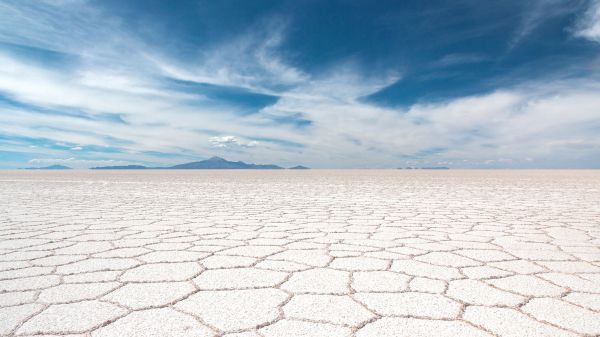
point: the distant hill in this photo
(51, 167)
(123, 167)
(218, 163)
(214, 163)
(425, 168)
(299, 167)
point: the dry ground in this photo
(300, 253)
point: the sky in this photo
(322, 83)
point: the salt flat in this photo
(300, 253)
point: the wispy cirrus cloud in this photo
(539, 12)
(459, 59)
(250, 60)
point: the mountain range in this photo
(121, 167)
(213, 163)
(425, 168)
(51, 167)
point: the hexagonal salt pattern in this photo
(300, 254)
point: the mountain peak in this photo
(215, 158)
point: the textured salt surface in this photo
(310, 253)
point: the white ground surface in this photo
(300, 253)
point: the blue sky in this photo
(327, 84)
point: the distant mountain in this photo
(124, 167)
(425, 168)
(51, 167)
(299, 167)
(218, 163)
(214, 163)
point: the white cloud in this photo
(588, 26)
(230, 141)
(540, 120)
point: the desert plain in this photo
(316, 253)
